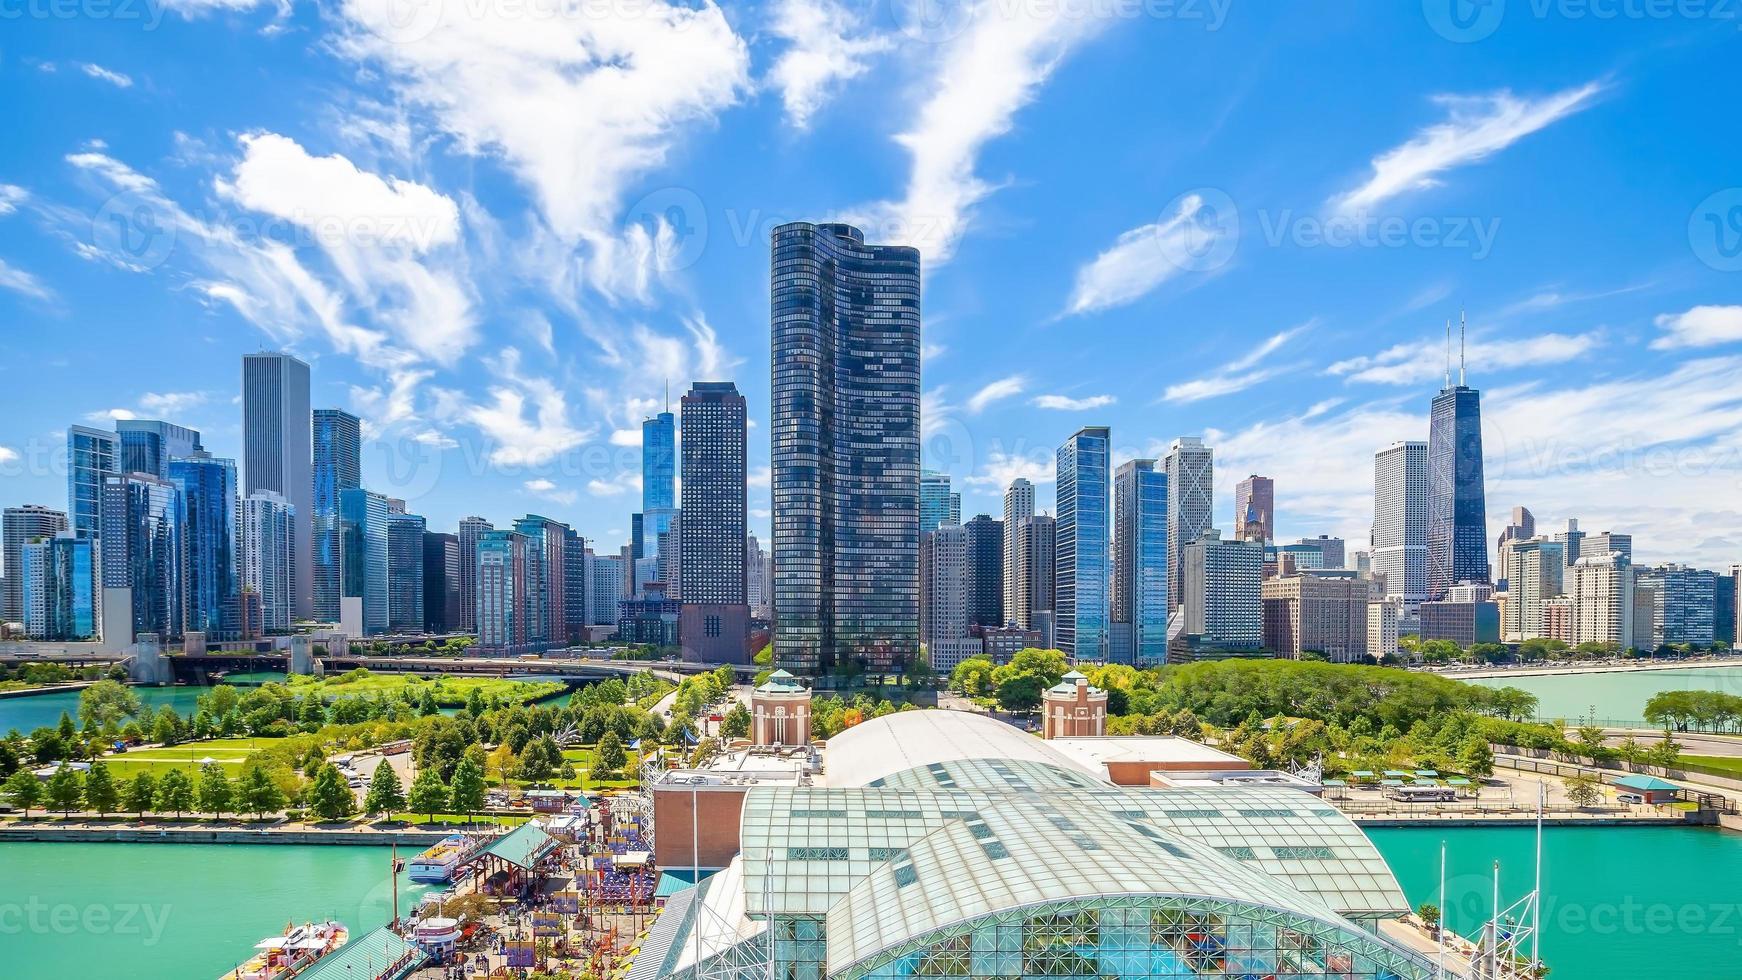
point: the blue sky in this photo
(497, 227)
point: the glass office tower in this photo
(142, 556)
(147, 446)
(1080, 550)
(1140, 569)
(1457, 528)
(211, 589)
(658, 476)
(337, 446)
(363, 528)
(845, 361)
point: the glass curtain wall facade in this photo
(846, 449)
(546, 580)
(1140, 570)
(1080, 544)
(147, 446)
(658, 476)
(61, 568)
(472, 529)
(269, 557)
(1457, 519)
(142, 551)
(277, 453)
(1190, 469)
(212, 590)
(337, 445)
(405, 598)
(363, 537)
(441, 582)
(985, 571)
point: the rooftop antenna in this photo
(1448, 352)
(1460, 347)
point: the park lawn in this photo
(450, 692)
(458, 820)
(188, 756)
(1729, 765)
(582, 760)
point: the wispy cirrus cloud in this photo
(547, 490)
(1195, 237)
(24, 283)
(1700, 326)
(997, 391)
(115, 78)
(1476, 127)
(1430, 357)
(1237, 375)
(827, 44)
(1066, 403)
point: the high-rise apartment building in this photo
(658, 475)
(1190, 467)
(1400, 492)
(1140, 572)
(1255, 503)
(546, 580)
(1317, 613)
(56, 579)
(985, 559)
(1036, 568)
(91, 455)
(758, 579)
(211, 586)
(441, 582)
(669, 561)
(1571, 541)
(363, 598)
(937, 504)
(1601, 587)
(1683, 605)
(405, 573)
(504, 606)
(714, 626)
(1534, 569)
(1080, 544)
(1457, 513)
(471, 530)
(148, 445)
(1018, 509)
(1331, 552)
(845, 427)
(269, 558)
(945, 582)
(141, 558)
(276, 451)
(18, 527)
(605, 588)
(1223, 604)
(338, 449)
(1606, 542)
(575, 602)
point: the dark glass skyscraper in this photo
(711, 531)
(1140, 570)
(211, 587)
(405, 596)
(472, 529)
(363, 576)
(141, 557)
(1457, 529)
(1081, 544)
(658, 477)
(846, 338)
(337, 445)
(985, 561)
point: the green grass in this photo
(1722, 764)
(582, 760)
(457, 820)
(188, 756)
(450, 692)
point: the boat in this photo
(436, 865)
(291, 953)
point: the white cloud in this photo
(1237, 375)
(435, 439)
(1476, 127)
(1002, 468)
(1147, 256)
(828, 45)
(1426, 360)
(19, 281)
(1701, 326)
(1066, 403)
(979, 80)
(544, 488)
(8, 454)
(526, 419)
(110, 415)
(935, 411)
(995, 391)
(378, 232)
(100, 73)
(761, 476)
(11, 195)
(170, 403)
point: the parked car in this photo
(1629, 798)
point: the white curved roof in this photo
(883, 747)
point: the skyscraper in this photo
(22, 525)
(937, 505)
(1224, 600)
(1255, 501)
(141, 558)
(56, 578)
(985, 557)
(503, 607)
(276, 453)
(1140, 562)
(471, 530)
(944, 595)
(575, 599)
(269, 557)
(1081, 544)
(337, 448)
(1522, 527)
(1572, 541)
(1190, 467)
(757, 579)
(715, 622)
(605, 580)
(546, 581)
(1400, 490)
(658, 474)
(363, 601)
(1018, 509)
(147, 446)
(405, 598)
(211, 587)
(1534, 570)
(1604, 542)
(1457, 531)
(91, 455)
(1036, 568)
(845, 429)
(441, 582)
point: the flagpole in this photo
(1440, 933)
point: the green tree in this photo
(468, 788)
(106, 703)
(1476, 757)
(385, 795)
(328, 795)
(23, 789)
(972, 677)
(257, 793)
(736, 723)
(540, 759)
(612, 758)
(65, 791)
(1020, 692)
(215, 792)
(166, 726)
(1430, 917)
(1582, 791)
(101, 793)
(175, 793)
(140, 794)
(428, 794)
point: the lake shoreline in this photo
(1599, 667)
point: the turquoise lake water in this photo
(1615, 695)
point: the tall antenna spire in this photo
(668, 395)
(1460, 347)
(1448, 352)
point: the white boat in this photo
(436, 865)
(296, 950)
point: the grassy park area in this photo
(449, 692)
(188, 757)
